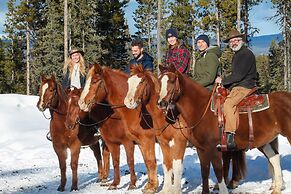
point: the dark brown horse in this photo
(52, 96)
(143, 125)
(191, 101)
(112, 132)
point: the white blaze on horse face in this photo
(164, 84)
(83, 106)
(43, 89)
(133, 82)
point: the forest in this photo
(40, 33)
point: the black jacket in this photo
(243, 70)
(146, 61)
(66, 82)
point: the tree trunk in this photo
(217, 14)
(193, 40)
(149, 33)
(159, 33)
(286, 69)
(246, 22)
(65, 30)
(238, 15)
(27, 57)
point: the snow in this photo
(29, 164)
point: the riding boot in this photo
(230, 141)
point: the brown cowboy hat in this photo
(233, 34)
(76, 51)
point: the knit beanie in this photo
(203, 37)
(171, 32)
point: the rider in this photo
(140, 56)
(207, 65)
(240, 82)
(74, 75)
(177, 53)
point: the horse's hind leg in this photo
(167, 168)
(97, 153)
(61, 152)
(75, 152)
(273, 156)
(129, 149)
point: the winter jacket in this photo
(179, 56)
(146, 61)
(206, 67)
(243, 70)
(66, 82)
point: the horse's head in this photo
(94, 90)
(137, 87)
(47, 92)
(73, 109)
(170, 89)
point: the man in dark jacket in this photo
(140, 57)
(207, 64)
(240, 82)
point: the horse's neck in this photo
(61, 104)
(116, 85)
(193, 99)
(153, 96)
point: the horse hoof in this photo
(148, 191)
(106, 184)
(131, 187)
(61, 188)
(74, 189)
(112, 187)
(216, 187)
(232, 184)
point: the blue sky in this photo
(258, 17)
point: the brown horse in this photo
(52, 96)
(143, 88)
(191, 101)
(145, 124)
(112, 132)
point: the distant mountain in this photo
(261, 44)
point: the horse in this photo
(53, 97)
(191, 100)
(112, 132)
(143, 88)
(145, 124)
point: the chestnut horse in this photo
(145, 124)
(112, 132)
(52, 96)
(191, 101)
(143, 88)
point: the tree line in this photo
(40, 33)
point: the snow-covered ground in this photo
(28, 163)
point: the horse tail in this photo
(239, 165)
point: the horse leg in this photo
(75, 152)
(147, 148)
(106, 163)
(274, 160)
(205, 168)
(218, 170)
(167, 168)
(238, 168)
(115, 154)
(178, 155)
(61, 152)
(226, 157)
(129, 149)
(97, 153)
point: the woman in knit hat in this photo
(177, 53)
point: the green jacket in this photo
(206, 67)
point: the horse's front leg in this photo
(115, 154)
(129, 149)
(61, 152)
(205, 168)
(147, 148)
(97, 154)
(216, 160)
(75, 152)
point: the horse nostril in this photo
(163, 104)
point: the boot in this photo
(230, 141)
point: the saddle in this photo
(253, 102)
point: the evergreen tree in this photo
(113, 27)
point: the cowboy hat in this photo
(73, 51)
(233, 34)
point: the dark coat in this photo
(243, 70)
(66, 82)
(146, 61)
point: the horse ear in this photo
(177, 84)
(98, 69)
(42, 77)
(53, 77)
(90, 65)
(131, 69)
(172, 68)
(162, 68)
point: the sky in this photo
(29, 164)
(258, 16)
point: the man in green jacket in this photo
(207, 65)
